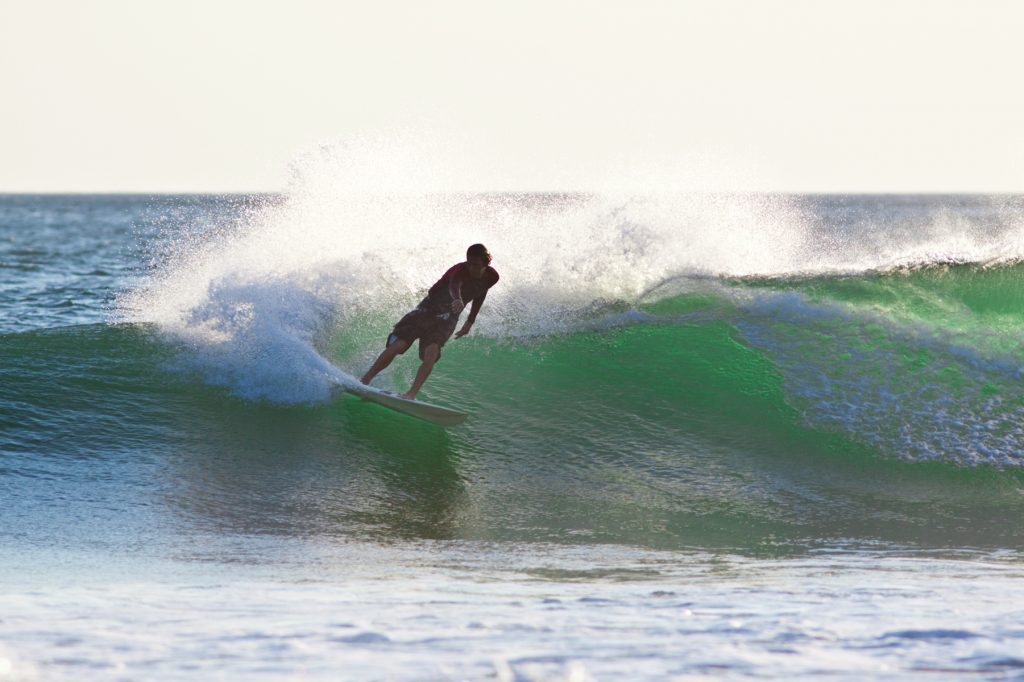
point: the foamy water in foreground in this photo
(466, 611)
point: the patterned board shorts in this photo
(428, 326)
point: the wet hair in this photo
(479, 251)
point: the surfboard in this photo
(442, 416)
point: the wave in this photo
(669, 371)
(691, 427)
(891, 322)
(916, 365)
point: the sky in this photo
(755, 95)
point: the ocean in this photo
(711, 437)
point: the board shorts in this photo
(429, 326)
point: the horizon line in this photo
(535, 192)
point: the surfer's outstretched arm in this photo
(473, 311)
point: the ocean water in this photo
(711, 437)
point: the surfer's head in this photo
(477, 258)
(479, 252)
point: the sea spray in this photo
(359, 235)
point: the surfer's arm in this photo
(455, 275)
(478, 303)
(473, 310)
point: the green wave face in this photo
(921, 365)
(756, 414)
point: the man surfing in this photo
(435, 318)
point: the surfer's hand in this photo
(457, 306)
(462, 332)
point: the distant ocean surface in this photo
(711, 437)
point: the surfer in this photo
(435, 318)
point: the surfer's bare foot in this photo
(409, 395)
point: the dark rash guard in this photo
(458, 283)
(432, 322)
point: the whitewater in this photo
(712, 436)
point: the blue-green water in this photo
(710, 436)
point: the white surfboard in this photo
(435, 414)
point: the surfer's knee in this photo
(431, 353)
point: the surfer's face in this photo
(476, 267)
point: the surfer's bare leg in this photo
(430, 355)
(385, 358)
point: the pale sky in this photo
(776, 95)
